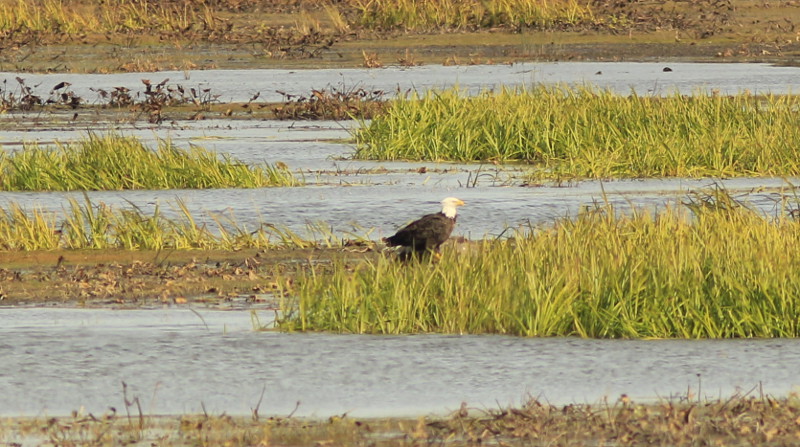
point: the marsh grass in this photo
(72, 17)
(88, 225)
(115, 162)
(717, 271)
(469, 14)
(80, 17)
(585, 132)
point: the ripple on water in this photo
(57, 360)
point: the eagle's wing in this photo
(426, 232)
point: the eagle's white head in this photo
(449, 206)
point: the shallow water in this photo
(623, 77)
(384, 195)
(352, 194)
(56, 360)
(176, 361)
(356, 196)
(384, 207)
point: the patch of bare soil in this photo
(118, 278)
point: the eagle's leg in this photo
(436, 253)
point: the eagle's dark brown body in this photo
(428, 233)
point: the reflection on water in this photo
(57, 360)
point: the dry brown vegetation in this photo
(331, 104)
(165, 101)
(84, 35)
(740, 420)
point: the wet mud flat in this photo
(123, 285)
(242, 279)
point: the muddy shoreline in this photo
(684, 421)
(299, 35)
(134, 279)
(436, 49)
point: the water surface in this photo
(57, 360)
(623, 77)
(352, 195)
(176, 361)
(383, 207)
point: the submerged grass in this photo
(725, 271)
(585, 132)
(115, 162)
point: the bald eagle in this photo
(427, 233)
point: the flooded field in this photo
(382, 203)
(347, 193)
(176, 360)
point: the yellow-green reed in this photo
(724, 272)
(469, 14)
(22, 231)
(73, 17)
(593, 133)
(116, 162)
(59, 18)
(87, 225)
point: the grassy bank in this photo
(146, 35)
(79, 18)
(212, 20)
(725, 272)
(589, 133)
(115, 162)
(470, 14)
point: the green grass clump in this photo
(76, 17)
(726, 271)
(114, 162)
(581, 132)
(469, 14)
(87, 225)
